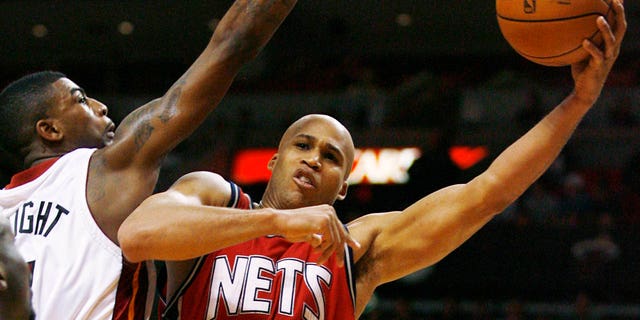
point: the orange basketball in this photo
(550, 32)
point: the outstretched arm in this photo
(15, 297)
(147, 134)
(434, 226)
(151, 131)
(191, 219)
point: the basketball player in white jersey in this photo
(245, 279)
(83, 176)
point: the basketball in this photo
(550, 32)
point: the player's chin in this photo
(297, 200)
(310, 202)
(105, 142)
(107, 139)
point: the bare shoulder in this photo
(366, 229)
(210, 188)
(203, 179)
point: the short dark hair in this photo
(22, 103)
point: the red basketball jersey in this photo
(265, 278)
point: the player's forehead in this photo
(321, 128)
(63, 95)
(66, 89)
(65, 84)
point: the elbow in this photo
(235, 52)
(243, 50)
(497, 195)
(134, 243)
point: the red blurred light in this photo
(466, 157)
(250, 166)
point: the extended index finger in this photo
(350, 241)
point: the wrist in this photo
(271, 219)
(583, 102)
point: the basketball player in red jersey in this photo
(84, 176)
(283, 258)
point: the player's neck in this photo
(40, 159)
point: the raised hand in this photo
(590, 75)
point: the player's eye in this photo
(331, 156)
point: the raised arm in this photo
(434, 226)
(191, 219)
(147, 134)
(151, 131)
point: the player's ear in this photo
(343, 191)
(49, 130)
(272, 162)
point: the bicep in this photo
(422, 234)
(199, 188)
(148, 133)
(160, 214)
(192, 190)
(151, 131)
(130, 147)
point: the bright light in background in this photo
(370, 166)
(383, 166)
(39, 31)
(125, 28)
(404, 19)
(466, 157)
(250, 166)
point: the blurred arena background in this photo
(431, 93)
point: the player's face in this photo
(311, 165)
(83, 120)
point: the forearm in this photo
(238, 38)
(168, 231)
(518, 166)
(157, 127)
(522, 163)
(436, 225)
(247, 27)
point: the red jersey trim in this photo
(30, 174)
(132, 292)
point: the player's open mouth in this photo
(304, 179)
(111, 131)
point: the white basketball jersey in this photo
(76, 268)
